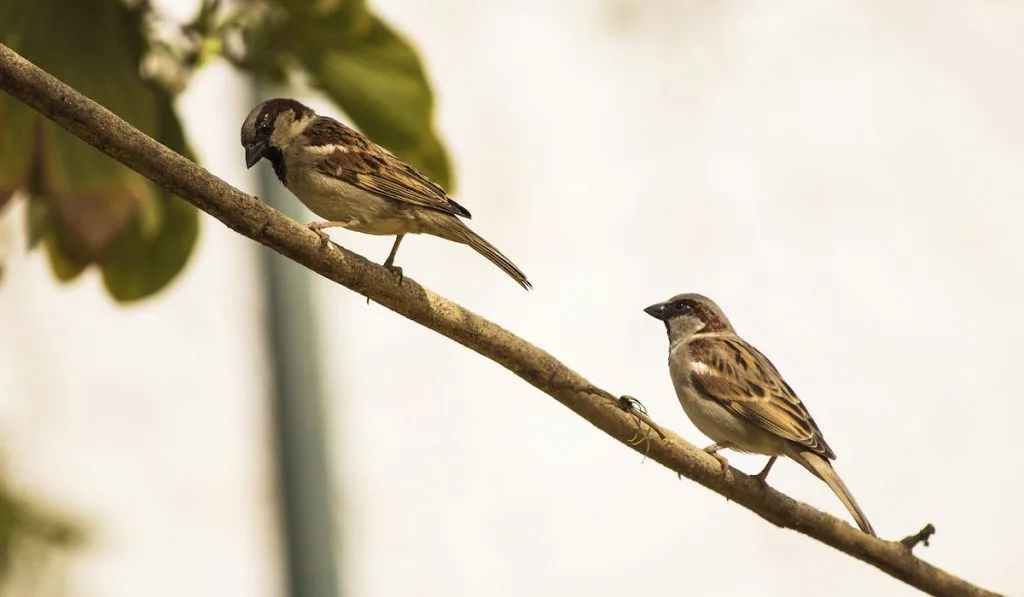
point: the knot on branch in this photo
(922, 536)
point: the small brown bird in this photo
(734, 395)
(353, 183)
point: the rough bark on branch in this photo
(248, 216)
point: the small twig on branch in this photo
(246, 215)
(922, 536)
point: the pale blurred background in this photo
(845, 180)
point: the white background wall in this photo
(844, 180)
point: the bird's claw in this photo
(394, 269)
(713, 450)
(324, 239)
(723, 461)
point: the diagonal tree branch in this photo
(616, 417)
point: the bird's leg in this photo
(713, 450)
(318, 227)
(389, 263)
(763, 475)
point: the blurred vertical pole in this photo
(303, 470)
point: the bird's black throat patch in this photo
(276, 157)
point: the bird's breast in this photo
(713, 418)
(358, 210)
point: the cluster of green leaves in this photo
(86, 209)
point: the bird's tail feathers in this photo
(454, 229)
(823, 469)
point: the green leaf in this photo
(340, 19)
(65, 269)
(93, 196)
(379, 81)
(16, 120)
(37, 221)
(144, 258)
(16, 125)
(139, 265)
(369, 70)
(88, 208)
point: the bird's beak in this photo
(254, 152)
(656, 311)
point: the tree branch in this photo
(616, 417)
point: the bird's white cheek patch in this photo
(701, 368)
(326, 149)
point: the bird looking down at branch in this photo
(353, 183)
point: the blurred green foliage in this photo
(28, 534)
(86, 209)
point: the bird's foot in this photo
(713, 450)
(721, 460)
(394, 269)
(318, 228)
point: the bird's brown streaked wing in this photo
(371, 168)
(738, 376)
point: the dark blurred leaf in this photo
(16, 126)
(62, 267)
(379, 81)
(88, 207)
(22, 522)
(148, 263)
(92, 195)
(311, 23)
(369, 70)
(37, 219)
(141, 261)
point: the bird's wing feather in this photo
(363, 164)
(737, 376)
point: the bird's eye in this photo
(679, 306)
(265, 127)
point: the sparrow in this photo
(353, 183)
(734, 395)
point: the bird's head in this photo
(271, 126)
(687, 314)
